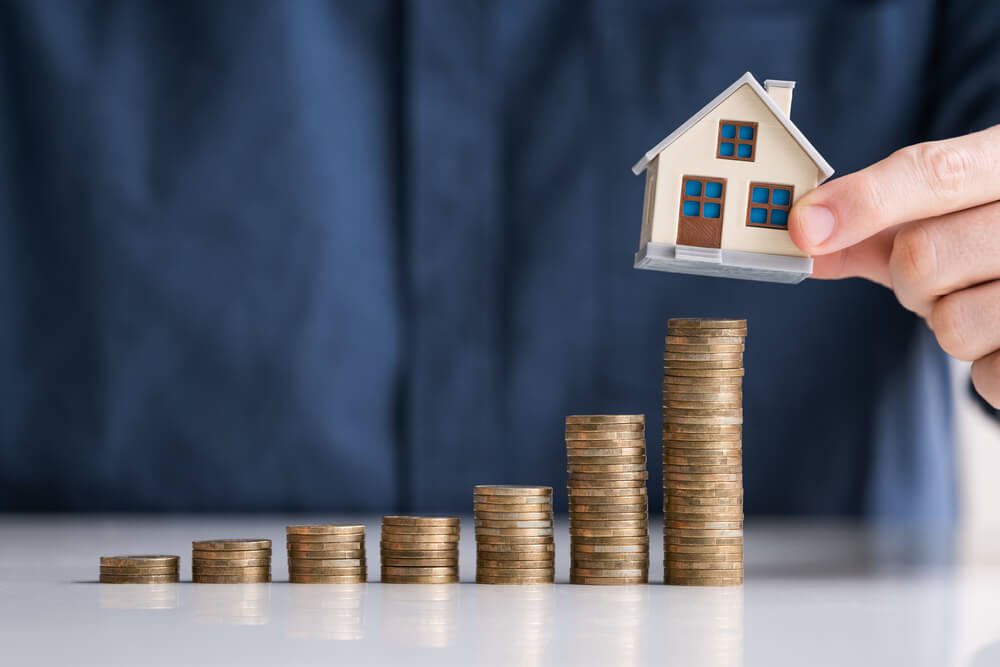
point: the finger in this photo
(914, 183)
(868, 259)
(935, 257)
(965, 322)
(986, 378)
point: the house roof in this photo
(748, 80)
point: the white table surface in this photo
(816, 594)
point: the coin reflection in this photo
(331, 612)
(608, 624)
(139, 596)
(519, 630)
(424, 615)
(232, 604)
(706, 627)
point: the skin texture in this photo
(924, 222)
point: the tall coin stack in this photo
(420, 549)
(608, 503)
(231, 561)
(326, 554)
(140, 569)
(702, 452)
(514, 542)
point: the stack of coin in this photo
(702, 452)
(326, 554)
(231, 561)
(420, 549)
(608, 504)
(140, 569)
(514, 534)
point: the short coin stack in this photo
(140, 569)
(514, 542)
(608, 503)
(420, 549)
(702, 452)
(326, 554)
(243, 561)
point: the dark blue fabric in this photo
(364, 255)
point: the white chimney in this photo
(781, 93)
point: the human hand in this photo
(924, 222)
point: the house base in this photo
(723, 263)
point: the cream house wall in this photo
(778, 159)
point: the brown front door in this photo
(702, 203)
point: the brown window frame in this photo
(771, 187)
(702, 199)
(736, 141)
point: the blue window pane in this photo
(744, 150)
(728, 131)
(779, 197)
(726, 149)
(691, 208)
(760, 195)
(758, 216)
(746, 133)
(692, 188)
(779, 218)
(713, 189)
(711, 210)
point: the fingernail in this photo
(817, 224)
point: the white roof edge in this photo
(826, 171)
(778, 83)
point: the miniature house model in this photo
(719, 188)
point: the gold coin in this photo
(609, 519)
(608, 476)
(420, 530)
(703, 581)
(704, 469)
(421, 562)
(676, 419)
(598, 504)
(603, 556)
(623, 467)
(139, 579)
(696, 402)
(627, 484)
(225, 571)
(511, 509)
(701, 477)
(393, 520)
(326, 579)
(640, 537)
(515, 548)
(326, 555)
(323, 539)
(708, 501)
(512, 500)
(418, 571)
(513, 523)
(676, 533)
(685, 338)
(400, 579)
(611, 549)
(673, 459)
(703, 525)
(253, 544)
(606, 461)
(140, 560)
(619, 427)
(515, 516)
(724, 348)
(325, 529)
(419, 546)
(607, 581)
(608, 495)
(675, 365)
(704, 548)
(513, 531)
(327, 562)
(512, 490)
(390, 536)
(670, 539)
(139, 571)
(229, 555)
(704, 372)
(513, 580)
(391, 553)
(604, 452)
(694, 382)
(615, 436)
(519, 565)
(232, 562)
(605, 419)
(519, 540)
(515, 556)
(524, 571)
(717, 513)
(703, 561)
(699, 442)
(674, 429)
(321, 547)
(608, 532)
(681, 354)
(225, 579)
(328, 571)
(609, 568)
(707, 323)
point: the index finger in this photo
(916, 182)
